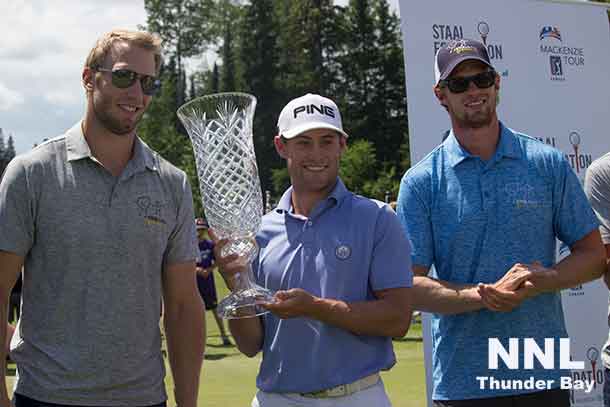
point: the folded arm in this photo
(585, 263)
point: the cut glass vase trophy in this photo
(220, 128)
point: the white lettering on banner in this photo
(531, 350)
(565, 383)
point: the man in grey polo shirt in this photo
(104, 228)
(597, 188)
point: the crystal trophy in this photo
(220, 129)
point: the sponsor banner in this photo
(553, 59)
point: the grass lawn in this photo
(228, 377)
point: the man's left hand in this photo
(291, 303)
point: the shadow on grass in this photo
(218, 345)
(219, 356)
(408, 339)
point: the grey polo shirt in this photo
(94, 247)
(597, 188)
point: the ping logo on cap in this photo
(311, 109)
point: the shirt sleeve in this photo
(17, 210)
(415, 217)
(573, 218)
(391, 262)
(182, 245)
(597, 190)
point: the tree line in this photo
(7, 151)
(278, 50)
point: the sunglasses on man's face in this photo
(124, 78)
(460, 84)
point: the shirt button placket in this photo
(308, 239)
(487, 187)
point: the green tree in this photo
(307, 42)
(358, 165)
(186, 27)
(229, 17)
(389, 117)
(373, 85)
(9, 153)
(158, 129)
(259, 70)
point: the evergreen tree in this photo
(229, 17)
(259, 69)
(308, 42)
(372, 81)
(7, 152)
(186, 27)
(3, 161)
(389, 89)
(10, 149)
(158, 129)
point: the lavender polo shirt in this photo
(349, 247)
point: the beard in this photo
(102, 107)
(475, 120)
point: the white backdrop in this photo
(554, 62)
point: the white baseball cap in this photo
(309, 112)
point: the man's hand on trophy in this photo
(292, 303)
(229, 266)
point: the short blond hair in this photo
(143, 39)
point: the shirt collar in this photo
(508, 146)
(143, 156)
(338, 193)
(76, 145)
(77, 148)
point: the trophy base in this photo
(245, 303)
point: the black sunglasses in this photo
(124, 78)
(460, 84)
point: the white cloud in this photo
(43, 48)
(9, 99)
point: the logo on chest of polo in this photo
(150, 210)
(343, 252)
(523, 196)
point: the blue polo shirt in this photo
(473, 220)
(348, 247)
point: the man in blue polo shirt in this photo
(340, 266)
(485, 208)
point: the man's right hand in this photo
(508, 292)
(229, 266)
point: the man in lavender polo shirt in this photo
(340, 266)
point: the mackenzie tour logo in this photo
(442, 34)
(522, 355)
(550, 32)
(561, 56)
(577, 159)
